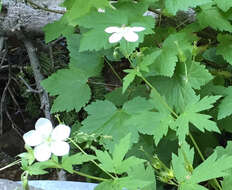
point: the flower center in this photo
(48, 140)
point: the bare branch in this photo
(35, 65)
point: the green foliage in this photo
(175, 84)
(163, 61)
(70, 87)
(211, 16)
(211, 168)
(76, 159)
(224, 5)
(191, 115)
(117, 164)
(73, 6)
(113, 17)
(138, 176)
(114, 123)
(58, 28)
(227, 180)
(90, 63)
(183, 5)
(224, 47)
(225, 105)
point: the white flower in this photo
(123, 32)
(100, 10)
(48, 140)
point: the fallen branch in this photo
(35, 65)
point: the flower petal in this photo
(101, 10)
(131, 36)
(112, 29)
(32, 138)
(116, 37)
(42, 152)
(44, 126)
(61, 132)
(137, 28)
(60, 148)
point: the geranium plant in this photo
(163, 125)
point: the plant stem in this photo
(11, 164)
(91, 160)
(113, 70)
(43, 8)
(89, 176)
(196, 146)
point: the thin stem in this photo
(196, 146)
(44, 8)
(91, 160)
(113, 70)
(11, 164)
(89, 176)
(202, 157)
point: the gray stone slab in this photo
(61, 185)
(11, 185)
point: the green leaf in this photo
(163, 60)
(58, 28)
(108, 185)
(221, 151)
(190, 186)
(152, 123)
(210, 55)
(76, 159)
(197, 75)
(128, 79)
(68, 4)
(211, 168)
(176, 91)
(106, 161)
(79, 8)
(211, 17)
(137, 105)
(128, 14)
(98, 36)
(112, 122)
(188, 178)
(90, 62)
(227, 181)
(224, 5)
(69, 85)
(121, 149)
(182, 164)
(140, 173)
(117, 164)
(191, 115)
(38, 168)
(224, 47)
(176, 5)
(225, 105)
(123, 183)
(131, 183)
(118, 98)
(146, 121)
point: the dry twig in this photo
(44, 100)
